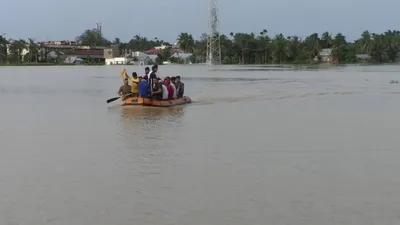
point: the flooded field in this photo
(259, 145)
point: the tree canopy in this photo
(240, 48)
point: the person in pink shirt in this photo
(167, 83)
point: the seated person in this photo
(144, 88)
(157, 90)
(180, 87)
(164, 90)
(170, 90)
(173, 87)
(125, 90)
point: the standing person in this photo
(180, 87)
(124, 90)
(146, 72)
(135, 81)
(154, 70)
(173, 87)
(152, 75)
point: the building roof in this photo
(181, 55)
(142, 57)
(153, 57)
(325, 52)
(87, 52)
(154, 51)
(363, 56)
(73, 59)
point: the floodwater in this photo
(260, 146)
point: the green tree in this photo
(33, 51)
(312, 46)
(92, 38)
(16, 49)
(186, 42)
(326, 40)
(281, 51)
(339, 48)
(3, 49)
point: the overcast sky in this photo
(165, 19)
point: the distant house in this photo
(117, 61)
(153, 58)
(88, 54)
(155, 51)
(182, 57)
(54, 55)
(325, 55)
(363, 57)
(73, 60)
(141, 58)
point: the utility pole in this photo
(99, 28)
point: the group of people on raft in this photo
(151, 86)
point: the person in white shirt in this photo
(164, 90)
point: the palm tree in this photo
(326, 40)
(241, 41)
(16, 48)
(264, 44)
(294, 48)
(366, 42)
(33, 49)
(312, 46)
(339, 48)
(281, 51)
(186, 42)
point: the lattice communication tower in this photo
(213, 42)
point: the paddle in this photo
(122, 74)
(116, 98)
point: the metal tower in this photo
(99, 28)
(213, 42)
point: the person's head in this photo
(167, 81)
(134, 75)
(173, 80)
(178, 79)
(154, 68)
(126, 81)
(147, 70)
(140, 78)
(155, 80)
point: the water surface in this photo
(301, 146)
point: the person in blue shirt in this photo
(144, 88)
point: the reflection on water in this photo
(156, 113)
(139, 125)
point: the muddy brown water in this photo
(259, 145)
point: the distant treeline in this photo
(240, 48)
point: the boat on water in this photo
(154, 102)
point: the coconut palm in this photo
(186, 42)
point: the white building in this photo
(118, 61)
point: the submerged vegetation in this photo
(236, 48)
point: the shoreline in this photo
(194, 64)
